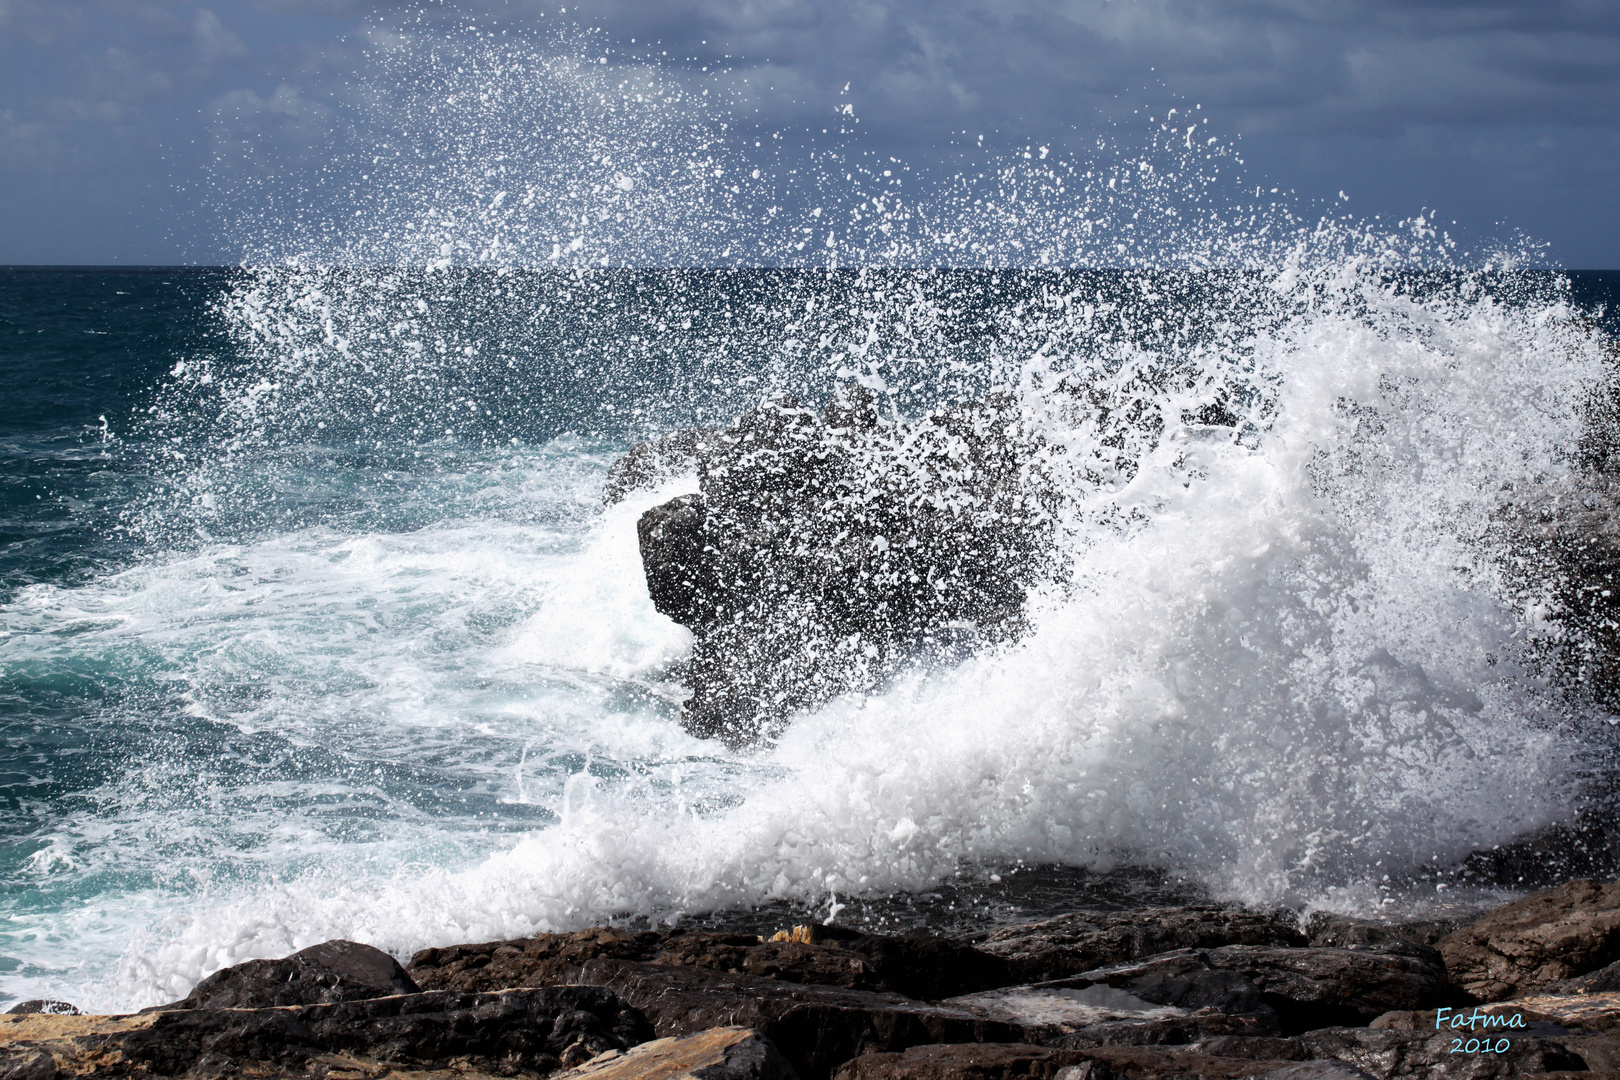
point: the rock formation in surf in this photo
(823, 551)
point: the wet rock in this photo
(994, 1062)
(1341, 931)
(331, 971)
(1600, 1052)
(982, 1061)
(1179, 1031)
(652, 463)
(1586, 1013)
(1537, 942)
(519, 1032)
(1099, 1015)
(1083, 940)
(43, 1005)
(1602, 981)
(729, 1053)
(1257, 1048)
(823, 553)
(815, 1027)
(544, 960)
(919, 967)
(1418, 1055)
(1317, 1070)
(1305, 988)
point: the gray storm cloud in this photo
(1505, 115)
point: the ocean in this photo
(314, 623)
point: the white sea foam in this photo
(1287, 658)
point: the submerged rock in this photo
(821, 553)
(1537, 942)
(331, 971)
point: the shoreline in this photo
(1189, 990)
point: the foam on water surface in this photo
(386, 668)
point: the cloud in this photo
(1305, 79)
(215, 42)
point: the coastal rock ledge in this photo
(1235, 994)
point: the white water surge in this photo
(1287, 659)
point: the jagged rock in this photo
(45, 1006)
(1083, 940)
(1600, 1052)
(1317, 1070)
(822, 553)
(651, 463)
(1537, 942)
(331, 971)
(1342, 931)
(918, 967)
(1419, 1055)
(981, 1061)
(1099, 1015)
(815, 1027)
(1257, 1048)
(1306, 988)
(728, 1053)
(1604, 980)
(1179, 1031)
(518, 1032)
(995, 1062)
(1586, 1013)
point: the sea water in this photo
(315, 623)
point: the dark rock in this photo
(1317, 1070)
(1099, 1015)
(651, 463)
(675, 558)
(1537, 942)
(1195, 1027)
(815, 1027)
(919, 967)
(1604, 980)
(331, 971)
(1600, 1052)
(1419, 1055)
(43, 1006)
(729, 1053)
(1083, 940)
(993, 1062)
(1306, 988)
(27, 1065)
(1342, 931)
(545, 960)
(973, 1061)
(823, 553)
(1584, 1013)
(1257, 1048)
(527, 1032)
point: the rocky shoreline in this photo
(1195, 991)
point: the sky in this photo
(142, 131)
